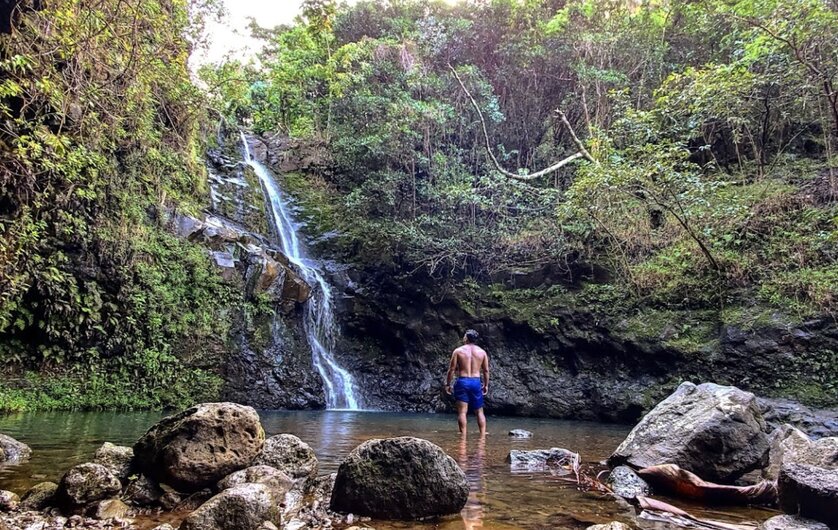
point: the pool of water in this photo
(500, 498)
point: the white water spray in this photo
(319, 323)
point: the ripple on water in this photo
(499, 499)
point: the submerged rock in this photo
(809, 491)
(717, 432)
(791, 522)
(39, 496)
(555, 458)
(86, 483)
(520, 433)
(242, 507)
(624, 482)
(13, 451)
(201, 445)
(117, 459)
(290, 455)
(399, 478)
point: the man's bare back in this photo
(470, 363)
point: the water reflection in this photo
(472, 464)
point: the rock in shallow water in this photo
(13, 451)
(624, 482)
(520, 433)
(791, 522)
(715, 431)
(243, 507)
(399, 478)
(39, 496)
(552, 459)
(201, 445)
(809, 491)
(86, 483)
(290, 455)
(117, 459)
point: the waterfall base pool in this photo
(500, 499)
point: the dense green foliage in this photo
(713, 126)
(99, 142)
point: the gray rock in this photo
(791, 522)
(200, 446)
(716, 432)
(108, 509)
(554, 459)
(290, 455)
(809, 491)
(86, 483)
(143, 492)
(117, 459)
(399, 478)
(614, 525)
(9, 501)
(242, 507)
(13, 451)
(164, 526)
(520, 433)
(624, 482)
(815, 423)
(790, 445)
(39, 496)
(276, 480)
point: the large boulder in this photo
(12, 451)
(791, 522)
(399, 478)
(290, 455)
(117, 459)
(201, 445)
(809, 491)
(242, 507)
(716, 432)
(39, 496)
(86, 483)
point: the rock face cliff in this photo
(551, 356)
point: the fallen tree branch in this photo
(582, 153)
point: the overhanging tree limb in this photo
(582, 153)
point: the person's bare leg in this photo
(462, 420)
(481, 421)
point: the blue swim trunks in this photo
(469, 390)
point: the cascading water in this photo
(319, 323)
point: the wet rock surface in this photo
(814, 422)
(201, 445)
(290, 455)
(39, 496)
(13, 451)
(540, 459)
(624, 482)
(117, 459)
(809, 491)
(520, 433)
(242, 507)
(791, 522)
(399, 478)
(714, 431)
(86, 483)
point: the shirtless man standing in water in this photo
(469, 361)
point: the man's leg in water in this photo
(481, 420)
(462, 419)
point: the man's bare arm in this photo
(452, 367)
(484, 367)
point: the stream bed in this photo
(500, 499)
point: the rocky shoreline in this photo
(211, 467)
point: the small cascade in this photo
(319, 323)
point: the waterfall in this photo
(319, 322)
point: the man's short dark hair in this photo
(472, 336)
